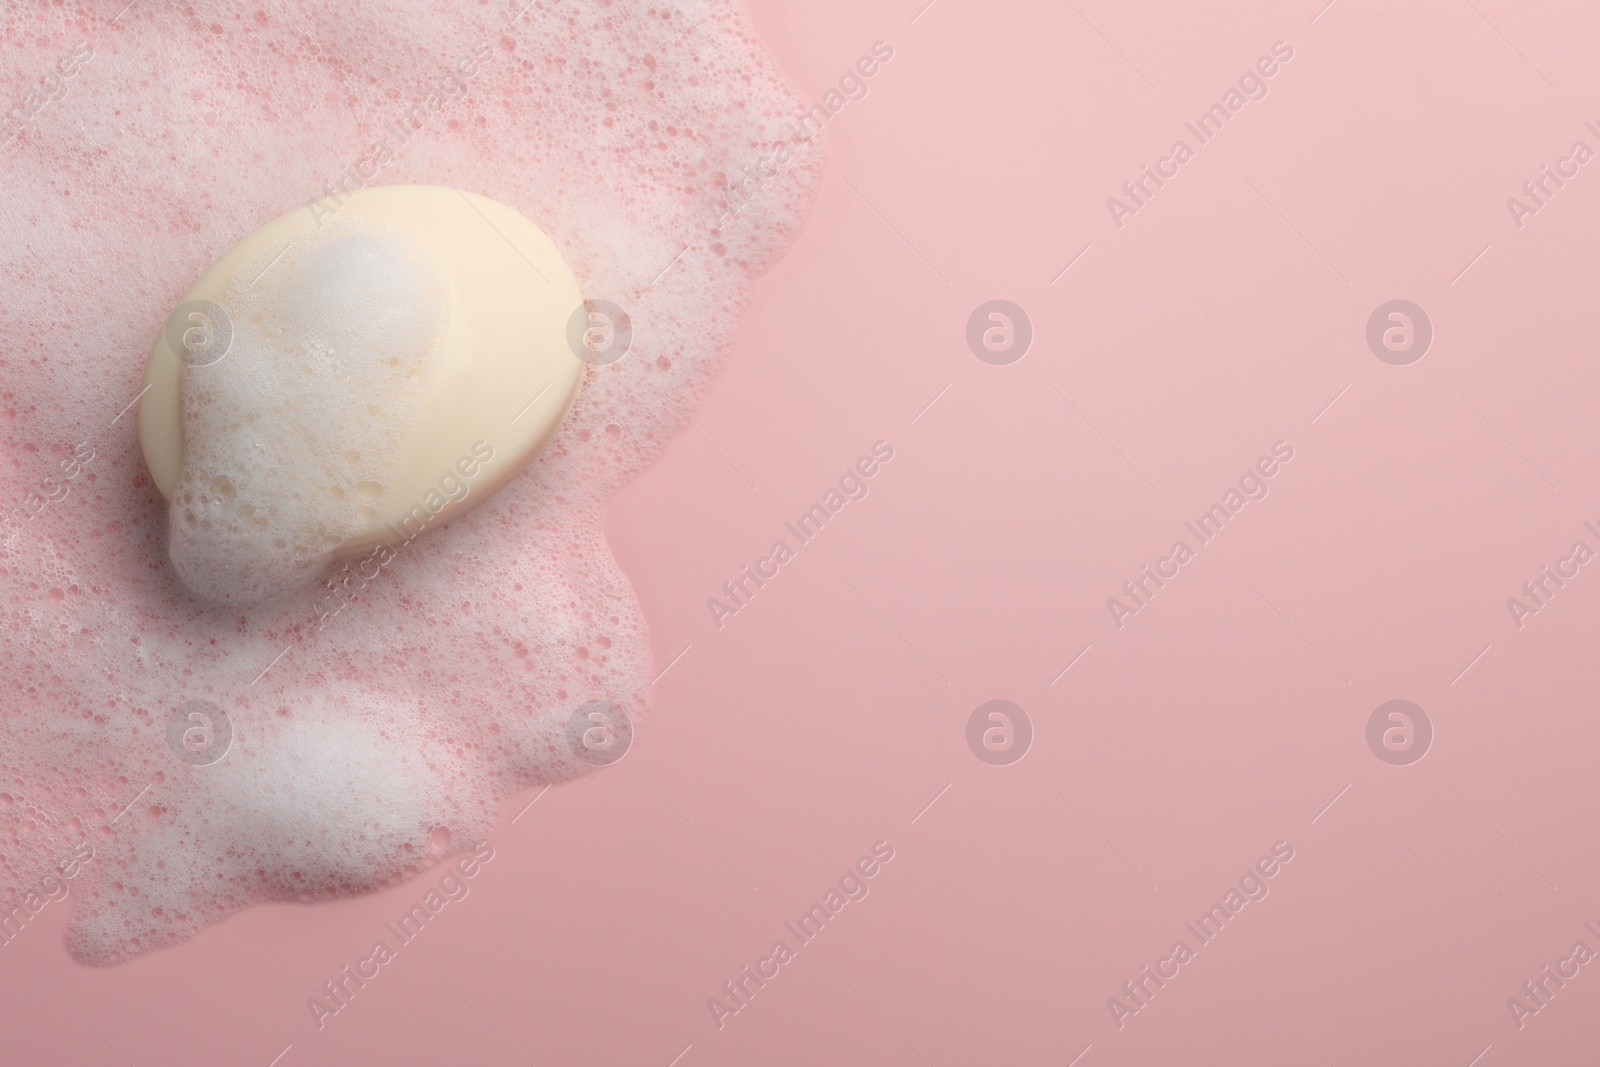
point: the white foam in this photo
(360, 739)
(293, 437)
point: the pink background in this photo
(1225, 717)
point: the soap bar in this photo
(341, 380)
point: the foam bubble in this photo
(292, 437)
(382, 721)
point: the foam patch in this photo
(293, 440)
(370, 730)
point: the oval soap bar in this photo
(340, 380)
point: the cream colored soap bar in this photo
(336, 382)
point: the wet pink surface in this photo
(1227, 715)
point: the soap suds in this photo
(362, 743)
(293, 435)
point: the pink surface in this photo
(1226, 716)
